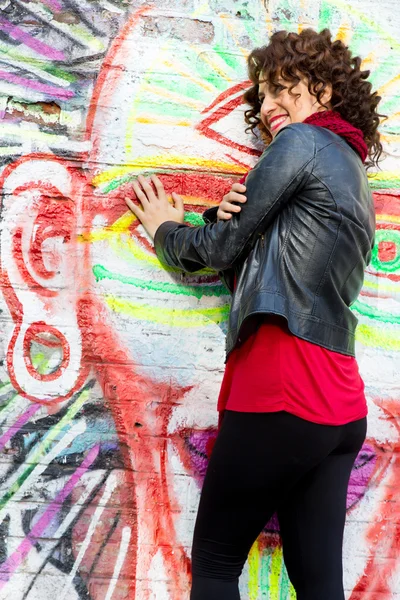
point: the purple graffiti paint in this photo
(33, 43)
(53, 4)
(50, 90)
(199, 444)
(6, 437)
(361, 475)
(16, 558)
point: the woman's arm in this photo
(280, 173)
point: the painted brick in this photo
(110, 365)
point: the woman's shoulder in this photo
(307, 137)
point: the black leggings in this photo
(262, 463)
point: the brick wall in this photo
(110, 364)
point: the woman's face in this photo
(279, 108)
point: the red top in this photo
(274, 370)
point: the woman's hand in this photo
(155, 208)
(226, 208)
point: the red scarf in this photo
(334, 122)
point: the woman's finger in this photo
(139, 193)
(135, 209)
(223, 216)
(147, 188)
(235, 197)
(238, 187)
(178, 202)
(159, 187)
(229, 207)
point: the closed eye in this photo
(276, 89)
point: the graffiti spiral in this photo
(110, 364)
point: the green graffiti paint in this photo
(326, 15)
(380, 182)
(194, 219)
(198, 292)
(184, 318)
(171, 108)
(361, 32)
(264, 573)
(37, 63)
(390, 266)
(374, 313)
(204, 68)
(374, 337)
(9, 401)
(254, 569)
(179, 85)
(390, 104)
(285, 584)
(45, 446)
(229, 58)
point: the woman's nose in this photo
(267, 106)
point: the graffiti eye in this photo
(46, 351)
(223, 120)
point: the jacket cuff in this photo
(160, 235)
(210, 215)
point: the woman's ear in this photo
(326, 95)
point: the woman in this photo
(293, 254)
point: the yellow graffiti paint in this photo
(275, 574)
(226, 21)
(345, 32)
(390, 138)
(384, 176)
(384, 89)
(382, 218)
(377, 338)
(178, 98)
(393, 288)
(369, 61)
(178, 69)
(213, 63)
(119, 226)
(392, 117)
(361, 15)
(150, 120)
(201, 10)
(167, 162)
(173, 317)
(123, 224)
(254, 562)
(122, 244)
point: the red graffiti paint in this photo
(135, 400)
(205, 126)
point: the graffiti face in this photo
(111, 363)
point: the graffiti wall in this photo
(110, 364)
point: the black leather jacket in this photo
(300, 244)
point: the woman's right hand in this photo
(226, 208)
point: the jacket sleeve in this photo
(281, 171)
(210, 215)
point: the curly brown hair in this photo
(324, 63)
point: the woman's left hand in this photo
(155, 208)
